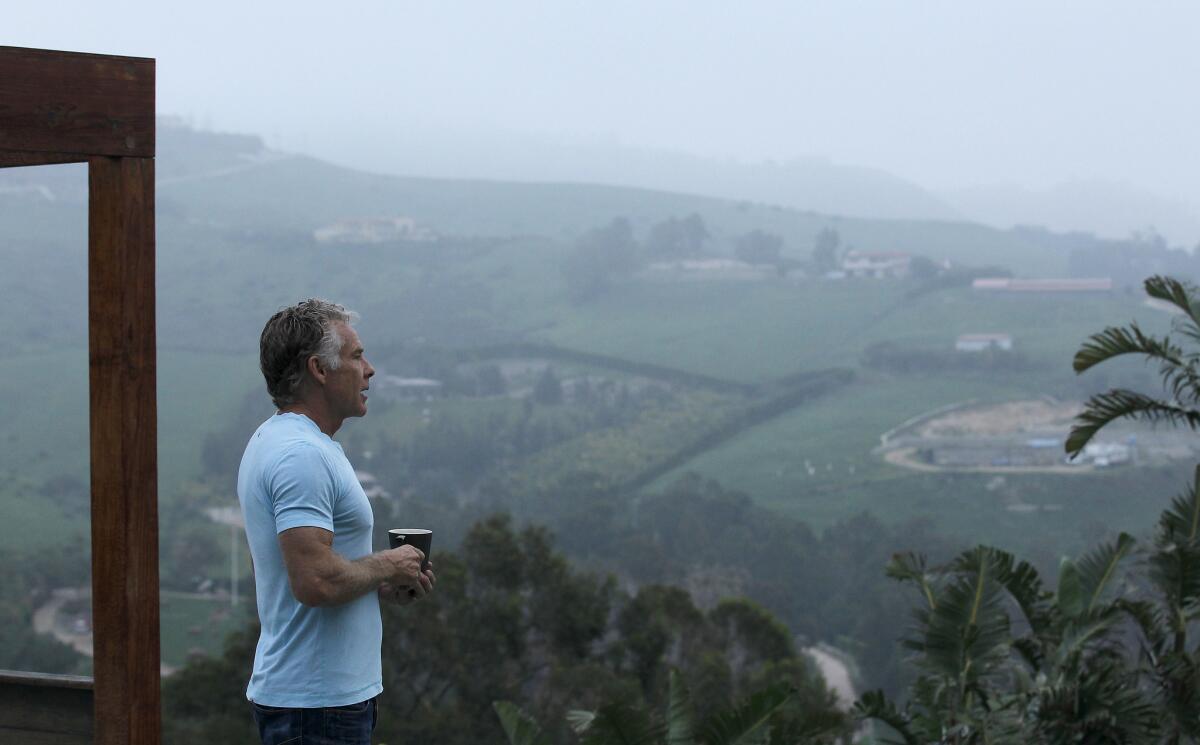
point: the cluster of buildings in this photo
(706, 269)
(1032, 452)
(374, 230)
(876, 264)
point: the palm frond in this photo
(737, 726)
(875, 705)
(1020, 579)
(967, 634)
(620, 724)
(1119, 403)
(910, 567)
(1116, 341)
(1083, 583)
(579, 720)
(1149, 621)
(681, 727)
(1101, 704)
(520, 728)
(1180, 523)
(1179, 372)
(1175, 561)
(1179, 294)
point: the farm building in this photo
(707, 269)
(373, 230)
(877, 265)
(419, 388)
(1004, 284)
(983, 342)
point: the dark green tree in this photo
(677, 239)
(759, 247)
(923, 268)
(548, 389)
(752, 720)
(825, 250)
(599, 258)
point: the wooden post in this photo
(67, 107)
(124, 428)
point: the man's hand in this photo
(319, 576)
(404, 594)
(404, 564)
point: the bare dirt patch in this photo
(1040, 417)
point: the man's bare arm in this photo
(319, 576)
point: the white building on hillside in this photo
(419, 388)
(707, 269)
(983, 342)
(876, 265)
(373, 230)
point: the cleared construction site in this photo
(1027, 436)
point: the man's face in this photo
(345, 387)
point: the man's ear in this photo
(316, 369)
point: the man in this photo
(317, 667)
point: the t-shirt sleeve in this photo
(302, 490)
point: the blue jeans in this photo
(332, 725)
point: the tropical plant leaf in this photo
(1099, 704)
(1179, 373)
(579, 720)
(967, 635)
(910, 567)
(740, 724)
(681, 726)
(520, 728)
(1119, 403)
(1149, 620)
(1180, 523)
(875, 705)
(620, 724)
(1116, 341)
(1020, 579)
(1083, 583)
(1174, 565)
(1180, 295)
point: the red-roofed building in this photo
(1000, 284)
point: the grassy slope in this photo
(226, 259)
(302, 194)
(46, 430)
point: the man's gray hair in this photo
(291, 337)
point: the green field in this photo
(46, 432)
(234, 247)
(743, 331)
(834, 437)
(194, 624)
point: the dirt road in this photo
(836, 674)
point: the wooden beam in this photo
(37, 708)
(10, 159)
(67, 102)
(124, 450)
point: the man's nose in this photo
(370, 369)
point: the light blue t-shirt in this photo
(294, 475)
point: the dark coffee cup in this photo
(419, 538)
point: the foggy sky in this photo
(949, 94)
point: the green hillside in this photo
(235, 242)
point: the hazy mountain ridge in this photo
(812, 184)
(1105, 208)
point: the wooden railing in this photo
(39, 709)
